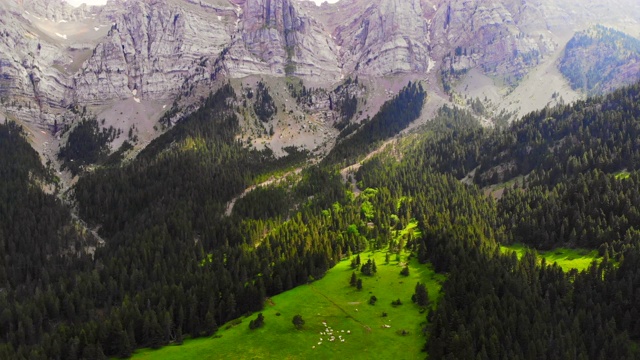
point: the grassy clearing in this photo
(567, 259)
(411, 230)
(333, 301)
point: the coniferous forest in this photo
(174, 264)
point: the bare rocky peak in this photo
(53, 55)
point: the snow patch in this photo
(164, 106)
(134, 92)
(136, 100)
(96, 28)
(62, 21)
(431, 65)
(219, 18)
(61, 35)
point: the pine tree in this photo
(298, 322)
(421, 296)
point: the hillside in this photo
(175, 266)
(361, 328)
(175, 173)
(601, 59)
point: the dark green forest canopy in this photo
(87, 144)
(39, 247)
(33, 224)
(395, 115)
(495, 306)
(174, 265)
(548, 146)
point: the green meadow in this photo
(567, 259)
(330, 308)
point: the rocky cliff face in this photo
(380, 37)
(151, 48)
(276, 37)
(30, 81)
(53, 55)
(386, 38)
(489, 35)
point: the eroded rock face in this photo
(30, 79)
(53, 55)
(275, 37)
(386, 38)
(490, 35)
(151, 48)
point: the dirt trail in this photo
(352, 169)
(276, 180)
(344, 172)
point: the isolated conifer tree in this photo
(298, 322)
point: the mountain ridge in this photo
(132, 59)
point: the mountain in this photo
(139, 67)
(54, 55)
(201, 156)
(601, 59)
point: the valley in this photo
(412, 179)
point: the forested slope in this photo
(549, 145)
(40, 246)
(600, 59)
(572, 194)
(174, 265)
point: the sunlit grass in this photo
(622, 175)
(333, 301)
(567, 259)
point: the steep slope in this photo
(38, 49)
(378, 38)
(129, 60)
(601, 59)
(276, 37)
(152, 49)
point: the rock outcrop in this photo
(151, 49)
(276, 37)
(53, 55)
(488, 35)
